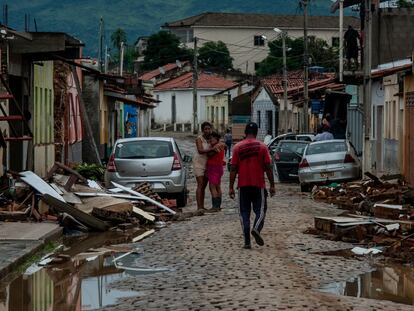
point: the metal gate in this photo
(354, 127)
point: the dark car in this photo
(290, 136)
(286, 158)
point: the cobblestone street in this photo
(210, 269)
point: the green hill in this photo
(138, 17)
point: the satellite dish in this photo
(162, 70)
(178, 63)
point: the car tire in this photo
(182, 198)
(304, 188)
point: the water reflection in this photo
(394, 283)
(82, 283)
(81, 286)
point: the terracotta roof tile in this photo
(274, 84)
(156, 72)
(205, 81)
(261, 20)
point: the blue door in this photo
(130, 120)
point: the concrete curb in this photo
(27, 248)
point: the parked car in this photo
(156, 160)
(290, 136)
(286, 158)
(328, 161)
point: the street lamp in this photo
(283, 34)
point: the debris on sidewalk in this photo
(379, 211)
(77, 199)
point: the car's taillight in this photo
(277, 156)
(176, 163)
(111, 167)
(303, 164)
(349, 159)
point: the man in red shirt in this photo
(251, 160)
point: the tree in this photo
(164, 47)
(117, 37)
(320, 53)
(405, 4)
(215, 55)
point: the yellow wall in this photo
(215, 106)
(43, 117)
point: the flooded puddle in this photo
(394, 283)
(82, 281)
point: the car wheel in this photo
(182, 199)
(304, 188)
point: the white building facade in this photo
(247, 35)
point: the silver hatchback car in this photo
(156, 160)
(328, 161)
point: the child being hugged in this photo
(215, 169)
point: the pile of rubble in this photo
(81, 204)
(380, 213)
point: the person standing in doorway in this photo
(228, 140)
(323, 134)
(251, 160)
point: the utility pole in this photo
(195, 79)
(106, 59)
(367, 87)
(121, 59)
(341, 40)
(100, 51)
(285, 82)
(305, 128)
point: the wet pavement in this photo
(394, 283)
(199, 264)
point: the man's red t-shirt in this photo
(251, 157)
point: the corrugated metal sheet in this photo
(354, 130)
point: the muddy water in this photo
(80, 283)
(394, 283)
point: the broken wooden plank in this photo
(102, 194)
(40, 185)
(71, 198)
(392, 177)
(110, 215)
(142, 214)
(15, 216)
(143, 197)
(373, 177)
(390, 206)
(108, 203)
(388, 211)
(143, 235)
(84, 218)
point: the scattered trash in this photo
(365, 251)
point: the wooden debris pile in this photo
(379, 197)
(380, 212)
(82, 204)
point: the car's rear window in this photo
(292, 147)
(327, 147)
(144, 149)
(304, 138)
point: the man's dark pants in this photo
(256, 198)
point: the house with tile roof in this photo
(176, 98)
(268, 107)
(247, 35)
